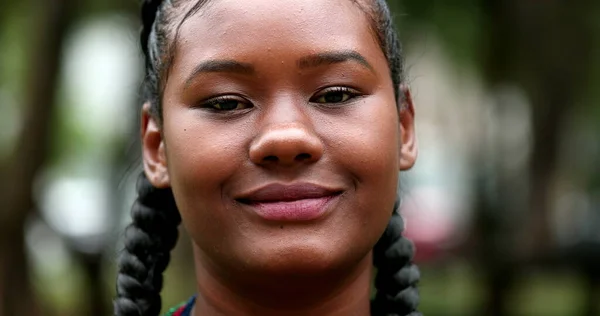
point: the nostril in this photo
(302, 157)
(270, 158)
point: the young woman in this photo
(275, 132)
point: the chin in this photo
(302, 255)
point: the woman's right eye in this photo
(226, 103)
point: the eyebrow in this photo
(310, 61)
(333, 57)
(221, 65)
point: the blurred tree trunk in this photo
(493, 214)
(18, 174)
(545, 48)
(556, 46)
(94, 296)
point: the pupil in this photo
(334, 97)
(228, 105)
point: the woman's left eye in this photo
(335, 95)
(226, 104)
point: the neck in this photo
(336, 292)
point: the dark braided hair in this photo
(148, 243)
(397, 278)
(153, 233)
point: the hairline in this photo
(366, 8)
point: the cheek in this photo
(200, 158)
(366, 143)
(367, 147)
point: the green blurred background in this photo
(503, 204)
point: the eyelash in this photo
(352, 93)
(211, 104)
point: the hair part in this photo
(153, 233)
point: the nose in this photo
(286, 145)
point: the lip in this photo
(294, 202)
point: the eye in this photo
(226, 103)
(335, 95)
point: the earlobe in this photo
(408, 139)
(153, 150)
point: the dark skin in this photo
(303, 94)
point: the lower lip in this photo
(298, 210)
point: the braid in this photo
(153, 232)
(397, 278)
(148, 242)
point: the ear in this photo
(153, 150)
(408, 139)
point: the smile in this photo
(296, 202)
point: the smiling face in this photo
(281, 137)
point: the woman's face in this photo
(281, 138)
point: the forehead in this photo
(233, 28)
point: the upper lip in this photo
(277, 192)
